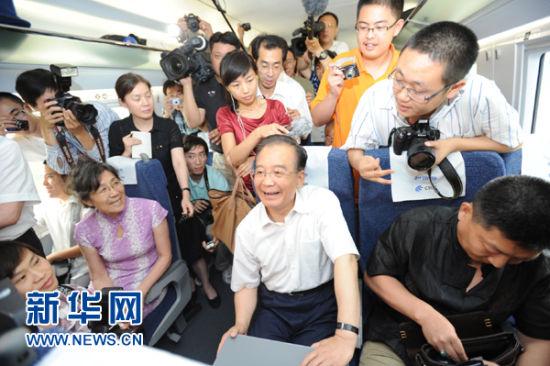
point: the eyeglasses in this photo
(379, 30)
(418, 97)
(261, 174)
(106, 189)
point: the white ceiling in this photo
(148, 19)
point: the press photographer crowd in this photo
(462, 283)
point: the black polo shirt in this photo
(422, 251)
(210, 96)
(165, 136)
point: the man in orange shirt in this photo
(378, 22)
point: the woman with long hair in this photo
(249, 118)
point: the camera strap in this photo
(99, 142)
(206, 183)
(62, 142)
(452, 177)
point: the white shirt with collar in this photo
(296, 255)
(480, 109)
(289, 92)
(16, 185)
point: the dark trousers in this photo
(30, 238)
(191, 234)
(295, 318)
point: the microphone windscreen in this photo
(314, 7)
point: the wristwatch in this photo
(323, 55)
(348, 327)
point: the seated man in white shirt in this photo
(269, 52)
(430, 82)
(295, 261)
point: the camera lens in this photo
(85, 113)
(419, 156)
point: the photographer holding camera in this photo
(202, 100)
(431, 82)
(320, 46)
(67, 137)
(378, 22)
(173, 106)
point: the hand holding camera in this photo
(53, 113)
(10, 124)
(335, 80)
(420, 156)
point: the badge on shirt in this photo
(211, 93)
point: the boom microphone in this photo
(314, 7)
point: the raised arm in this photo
(192, 113)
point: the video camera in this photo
(310, 30)
(412, 138)
(85, 113)
(188, 60)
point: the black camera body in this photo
(187, 60)
(192, 21)
(310, 30)
(411, 139)
(20, 125)
(85, 113)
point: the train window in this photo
(541, 120)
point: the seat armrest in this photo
(174, 273)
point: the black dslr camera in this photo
(187, 60)
(412, 138)
(85, 113)
(310, 29)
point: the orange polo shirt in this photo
(351, 93)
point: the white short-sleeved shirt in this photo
(289, 92)
(16, 185)
(479, 109)
(339, 47)
(296, 255)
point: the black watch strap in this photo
(346, 326)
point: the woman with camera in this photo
(250, 118)
(125, 240)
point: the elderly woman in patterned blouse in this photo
(125, 240)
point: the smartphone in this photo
(210, 245)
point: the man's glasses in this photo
(418, 97)
(378, 30)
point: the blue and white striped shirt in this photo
(480, 109)
(54, 156)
